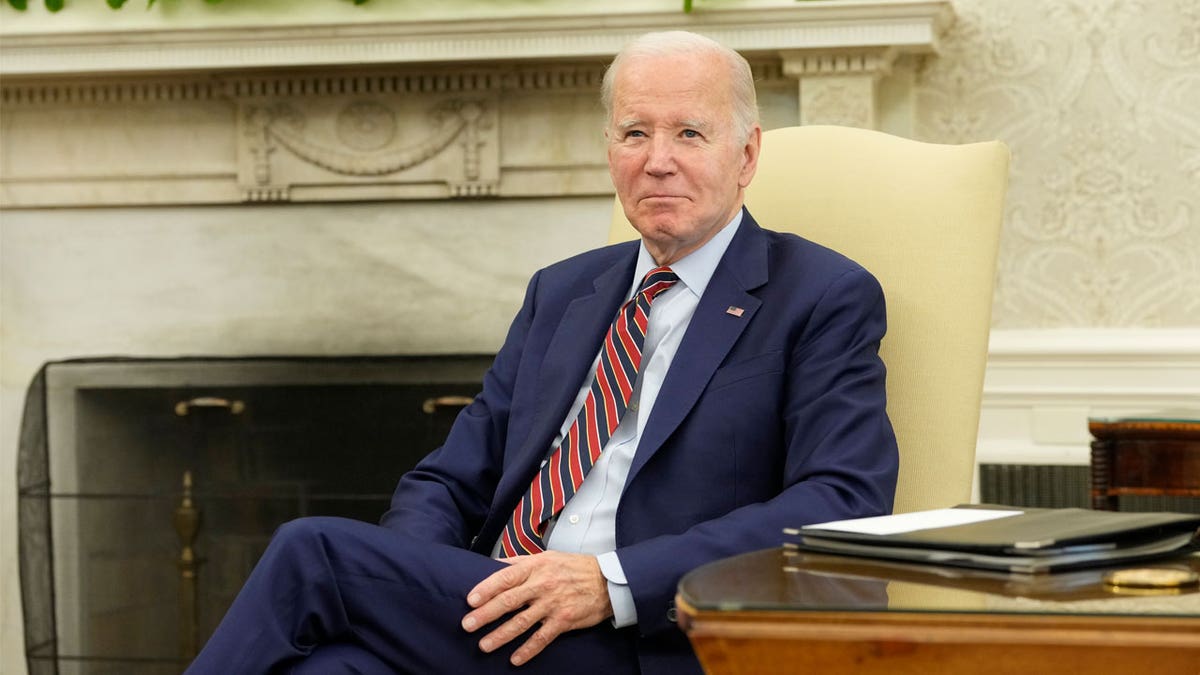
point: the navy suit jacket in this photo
(771, 419)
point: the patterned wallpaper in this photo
(1099, 101)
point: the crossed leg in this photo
(360, 598)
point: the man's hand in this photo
(562, 591)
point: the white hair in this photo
(683, 43)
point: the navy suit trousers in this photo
(333, 596)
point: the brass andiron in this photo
(187, 523)
(431, 405)
(182, 408)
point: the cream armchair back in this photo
(925, 219)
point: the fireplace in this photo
(121, 460)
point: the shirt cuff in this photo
(624, 609)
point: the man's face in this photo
(678, 163)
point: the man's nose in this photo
(660, 159)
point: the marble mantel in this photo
(430, 108)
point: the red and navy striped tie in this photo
(606, 401)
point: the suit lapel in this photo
(567, 362)
(709, 337)
(575, 344)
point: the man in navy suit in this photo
(758, 405)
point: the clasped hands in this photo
(554, 591)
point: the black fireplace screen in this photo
(149, 488)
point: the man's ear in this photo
(750, 156)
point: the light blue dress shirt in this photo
(587, 523)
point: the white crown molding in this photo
(906, 25)
(1092, 343)
(1041, 386)
(1089, 367)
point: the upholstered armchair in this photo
(925, 219)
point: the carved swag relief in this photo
(368, 147)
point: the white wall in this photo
(1097, 308)
(1097, 100)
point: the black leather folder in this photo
(1030, 541)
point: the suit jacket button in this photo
(671, 615)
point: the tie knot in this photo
(657, 280)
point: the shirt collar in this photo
(696, 268)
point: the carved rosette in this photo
(366, 126)
(368, 147)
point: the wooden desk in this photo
(1146, 455)
(773, 612)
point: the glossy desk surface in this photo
(778, 580)
(748, 613)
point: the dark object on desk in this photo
(1155, 455)
(1026, 541)
(1085, 584)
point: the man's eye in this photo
(691, 133)
(634, 133)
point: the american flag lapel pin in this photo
(735, 311)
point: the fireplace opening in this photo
(149, 488)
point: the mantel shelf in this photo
(767, 26)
